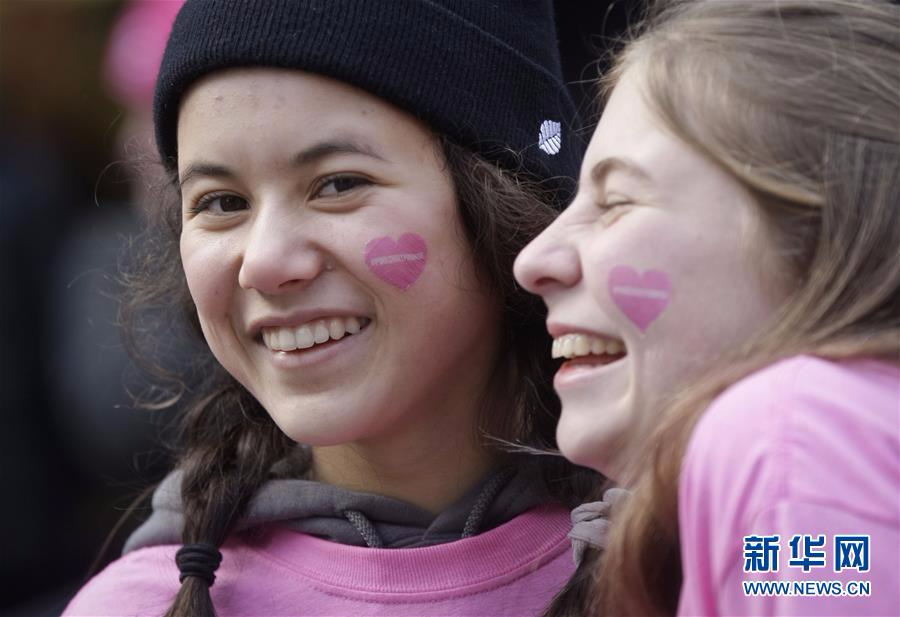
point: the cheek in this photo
(641, 296)
(212, 284)
(399, 262)
(207, 275)
(661, 277)
(631, 284)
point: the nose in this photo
(549, 262)
(279, 254)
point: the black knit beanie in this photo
(486, 73)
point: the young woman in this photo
(725, 291)
(355, 179)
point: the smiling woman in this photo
(647, 261)
(323, 205)
(725, 287)
(349, 211)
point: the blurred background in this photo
(76, 164)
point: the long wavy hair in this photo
(799, 100)
(226, 443)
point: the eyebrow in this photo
(605, 166)
(336, 146)
(305, 157)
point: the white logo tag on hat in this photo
(550, 138)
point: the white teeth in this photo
(582, 346)
(286, 340)
(320, 334)
(305, 338)
(574, 345)
(309, 334)
(336, 329)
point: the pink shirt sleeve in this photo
(804, 447)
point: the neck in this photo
(429, 473)
(431, 454)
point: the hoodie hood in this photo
(361, 519)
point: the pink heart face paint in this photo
(641, 296)
(399, 263)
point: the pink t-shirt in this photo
(513, 570)
(802, 448)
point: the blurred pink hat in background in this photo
(135, 50)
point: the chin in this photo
(593, 434)
(581, 445)
(304, 424)
(322, 434)
(318, 436)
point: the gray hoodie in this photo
(361, 519)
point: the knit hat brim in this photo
(456, 72)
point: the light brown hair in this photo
(800, 101)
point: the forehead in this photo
(290, 104)
(673, 176)
(630, 132)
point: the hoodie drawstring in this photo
(486, 497)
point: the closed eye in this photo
(612, 210)
(609, 205)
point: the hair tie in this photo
(200, 560)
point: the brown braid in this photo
(231, 443)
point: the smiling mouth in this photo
(312, 335)
(586, 349)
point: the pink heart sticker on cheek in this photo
(641, 296)
(399, 263)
